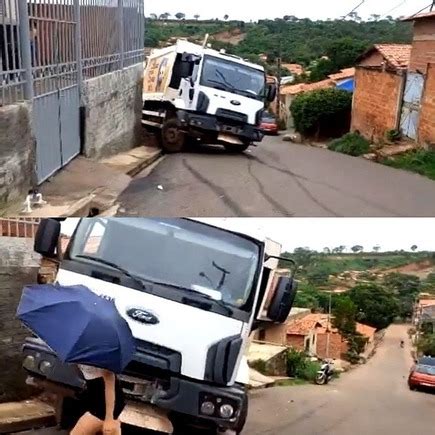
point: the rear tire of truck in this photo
(173, 139)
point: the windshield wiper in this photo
(197, 292)
(222, 86)
(135, 278)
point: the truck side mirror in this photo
(47, 237)
(271, 92)
(283, 299)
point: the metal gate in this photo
(55, 71)
(411, 104)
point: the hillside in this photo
(298, 41)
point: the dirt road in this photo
(372, 399)
(276, 179)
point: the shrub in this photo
(324, 112)
(259, 365)
(352, 144)
(299, 366)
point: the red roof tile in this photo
(420, 16)
(397, 55)
(365, 330)
(343, 74)
(306, 87)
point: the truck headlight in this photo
(45, 367)
(29, 362)
(226, 411)
(207, 408)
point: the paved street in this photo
(276, 179)
(372, 399)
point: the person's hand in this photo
(111, 427)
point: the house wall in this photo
(17, 148)
(296, 341)
(375, 59)
(376, 103)
(337, 346)
(426, 130)
(113, 112)
(423, 45)
(18, 267)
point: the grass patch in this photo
(351, 144)
(420, 161)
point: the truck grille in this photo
(230, 115)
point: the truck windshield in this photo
(178, 252)
(233, 77)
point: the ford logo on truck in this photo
(142, 316)
(235, 103)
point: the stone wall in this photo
(17, 148)
(113, 111)
(426, 132)
(376, 103)
(18, 266)
(423, 45)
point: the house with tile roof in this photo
(395, 84)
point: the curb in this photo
(141, 165)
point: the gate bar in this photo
(78, 47)
(26, 55)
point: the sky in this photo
(389, 233)
(254, 10)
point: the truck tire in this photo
(173, 139)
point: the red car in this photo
(268, 124)
(422, 374)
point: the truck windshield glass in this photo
(179, 252)
(232, 77)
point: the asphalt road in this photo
(372, 399)
(276, 179)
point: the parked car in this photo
(268, 123)
(422, 374)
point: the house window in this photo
(307, 345)
(262, 335)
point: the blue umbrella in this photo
(78, 325)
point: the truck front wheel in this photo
(242, 417)
(173, 139)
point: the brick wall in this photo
(18, 266)
(296, 341)
(426, 132)
(423, 45)
(337, 346)
(376, 102)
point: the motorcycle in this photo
(325, 374)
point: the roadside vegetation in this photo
(352, 144)
(322, 113)
(420, 161)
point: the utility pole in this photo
(278, 93)
(328, 330)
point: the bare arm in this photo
(109, 393)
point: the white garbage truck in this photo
(192, 294)
(194, 94)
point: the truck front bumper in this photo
(182, 396)
(210, 123)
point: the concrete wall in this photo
(113, 112)
(17, 152)
(18, 267)
(426, 131)
(423, 45)
(376, 103)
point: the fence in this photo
(47, 45)
(19, 227)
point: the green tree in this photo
(344, 52)
(377, 306)
(226, 16)
(303, 256)
(357, 248)
(426, 345)
(406, 288)
(344, 315)
(180, 16)
(322, 69)
(153, 16)
(376, 248)
(196, 16)
(414, 248)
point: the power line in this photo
(354, 9)
(395, 7)
(430, 5)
